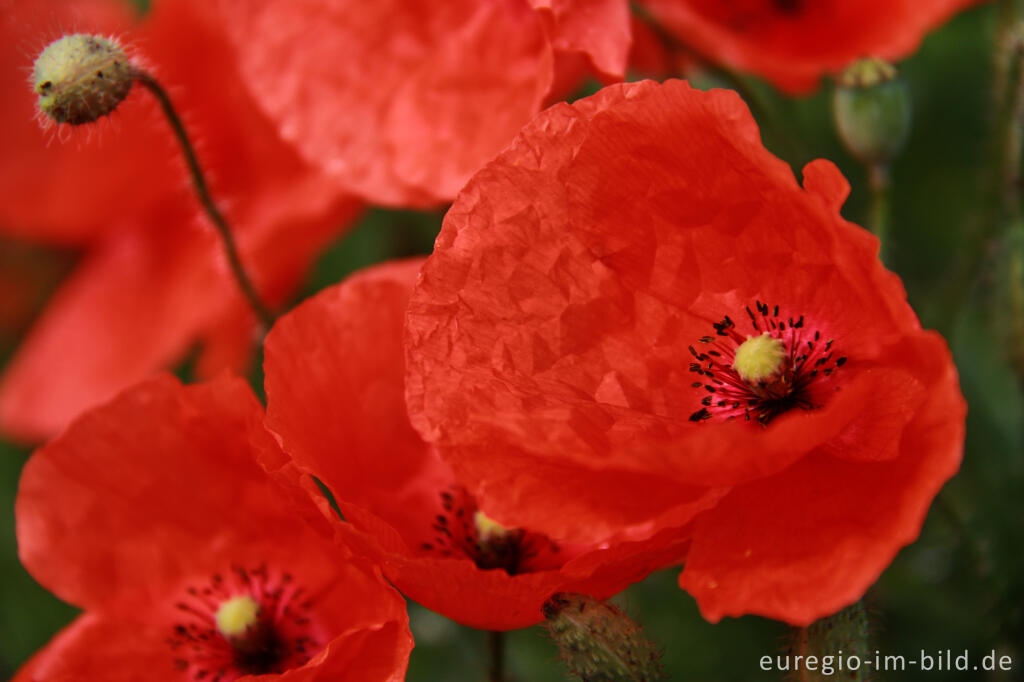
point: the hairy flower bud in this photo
(872, 111)
(81, 78)
(842, 634)
(598, 642)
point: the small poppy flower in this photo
(636, 307)
(418, 95)
(153, 515)
(793, 43)
(335, 391)
(153, 283)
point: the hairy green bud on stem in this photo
(81, 78)
(598, 642)
(841, 634)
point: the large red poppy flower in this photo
(794, 42)
(153, 515)
(335, 390)
(153, 282)
(402, 99)
(572, 343)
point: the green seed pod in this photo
(872, 111)
(81, 78)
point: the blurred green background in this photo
(961, 586)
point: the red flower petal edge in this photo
(403, 117)
(335, 385)
(571, 344)
(151, 513)
(793, 43)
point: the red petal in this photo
(334, 387)
(601, 30)
(551, 326)
(402, 117)
(803, 544)
(794, 47)
(334, 379)
(129, 309)
(170, 473)
(371, 641)
(97, 648)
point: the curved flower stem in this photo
(880, 183)
(496, 651)
(262, 312)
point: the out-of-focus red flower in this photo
(335, 386)
(571, 346)
(27, 274)
(401, 99)
(793, 43)
(153, 282)
(153, 515)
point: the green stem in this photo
(496, 650)
(1015, 293)
(880, 184)
(1002, 199)
(262, 312)
(1012, 208)
(1013, 139)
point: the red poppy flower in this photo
(153, 282)
(793, 43)
(335, 390)
(153, 515)
(573, 342)
(418, 94)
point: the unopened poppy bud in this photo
(872, 110)
(759, 358)
(844, 635)
(81, 78)
(598, 641)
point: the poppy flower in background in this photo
(153, 515)
(636, 307)
(403, 100)
(335, 392)
(152, 283)
(27, 275)
(793, 43)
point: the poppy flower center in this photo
(783, 365)
(463, 530)
(250, 623)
